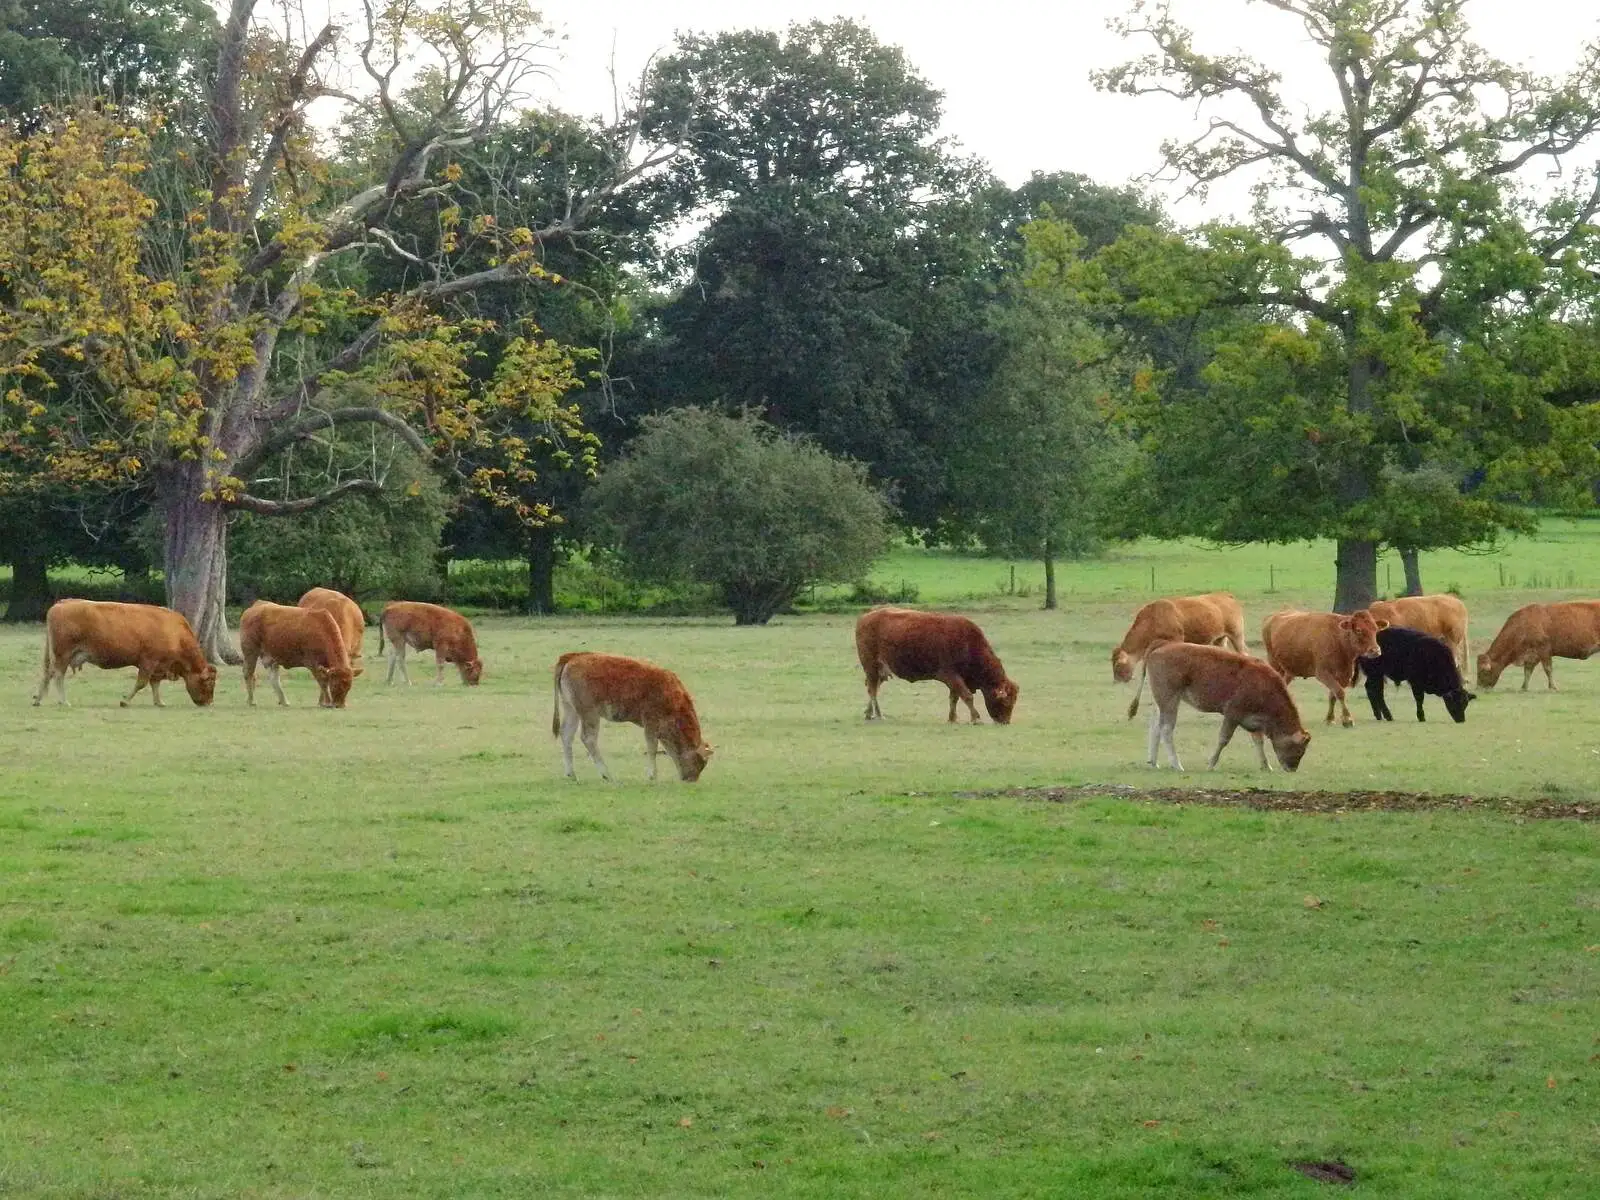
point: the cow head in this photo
(201, 684)
(471, 671)
(1360, 631)
(337, 680)
(1455, 703)
(1121, 665)
(1291, 748)
(1488, 672)
(1000, 700)
(692, 760)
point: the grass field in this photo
(389, 951)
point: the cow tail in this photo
(49, 649)
(555, 720)
(380, 635)
(1133, 707)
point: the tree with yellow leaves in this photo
(185, 325)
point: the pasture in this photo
(390, 951)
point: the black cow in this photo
(1423, 661)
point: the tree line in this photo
(271, 295)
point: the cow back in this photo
(346, 613)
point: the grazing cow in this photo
(1444, 616)
(1425, 662)
(1248, 693)
(590, 686)
(352, 623)
(279, 636)
(1535, 634)
(1210, 620)
(410, 623)
(930, 645)
(1323, 646)
(156, 640)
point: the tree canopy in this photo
(1406, 244)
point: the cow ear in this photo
(1346, 623)
(1381, 624)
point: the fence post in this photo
(1152, 579)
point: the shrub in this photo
(736, 506)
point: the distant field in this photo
(391, 952)
(1565, 555)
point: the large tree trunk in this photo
(542, 570)
(196, 560)
(1050, 574)
(1408, 560)
(1356, 562)
(1356, 575)
(30, 586)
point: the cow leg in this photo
(272, 678)
(1169, 729)
(591, 743)
(1549, 675)
(1224, 735)
(1336, 696)
(438, 679)
(650, 750)
(249, 680)
(60, 677)
(155, 693)
(959, 690)
(875, 677)
(139, 684)
(397, 656)
(1416, 690)
(1155, 736)
(1260, 740)
(1380, 707)
(569, 726)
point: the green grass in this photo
(391, 952)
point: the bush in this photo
(593, 583)
(362, 545)
(733, 505)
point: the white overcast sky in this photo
(1015, 75)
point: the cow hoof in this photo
(1348, 723)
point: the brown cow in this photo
(1248, 693)
(410, 623)
(1209, 620)
(352, 623)
(930, 645)
(158, 641)
(1535, 634)
(1444, 616)
(590, 686)
(279, 636)
(1323, 646)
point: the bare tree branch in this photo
(292, 508)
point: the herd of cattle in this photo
(1188, 648)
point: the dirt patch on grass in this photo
(1325, 1172)
(1268, 800)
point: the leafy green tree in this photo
(733, 503)
(1438, 254)
(838, 279)
(53, 51)
(1040, 453)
